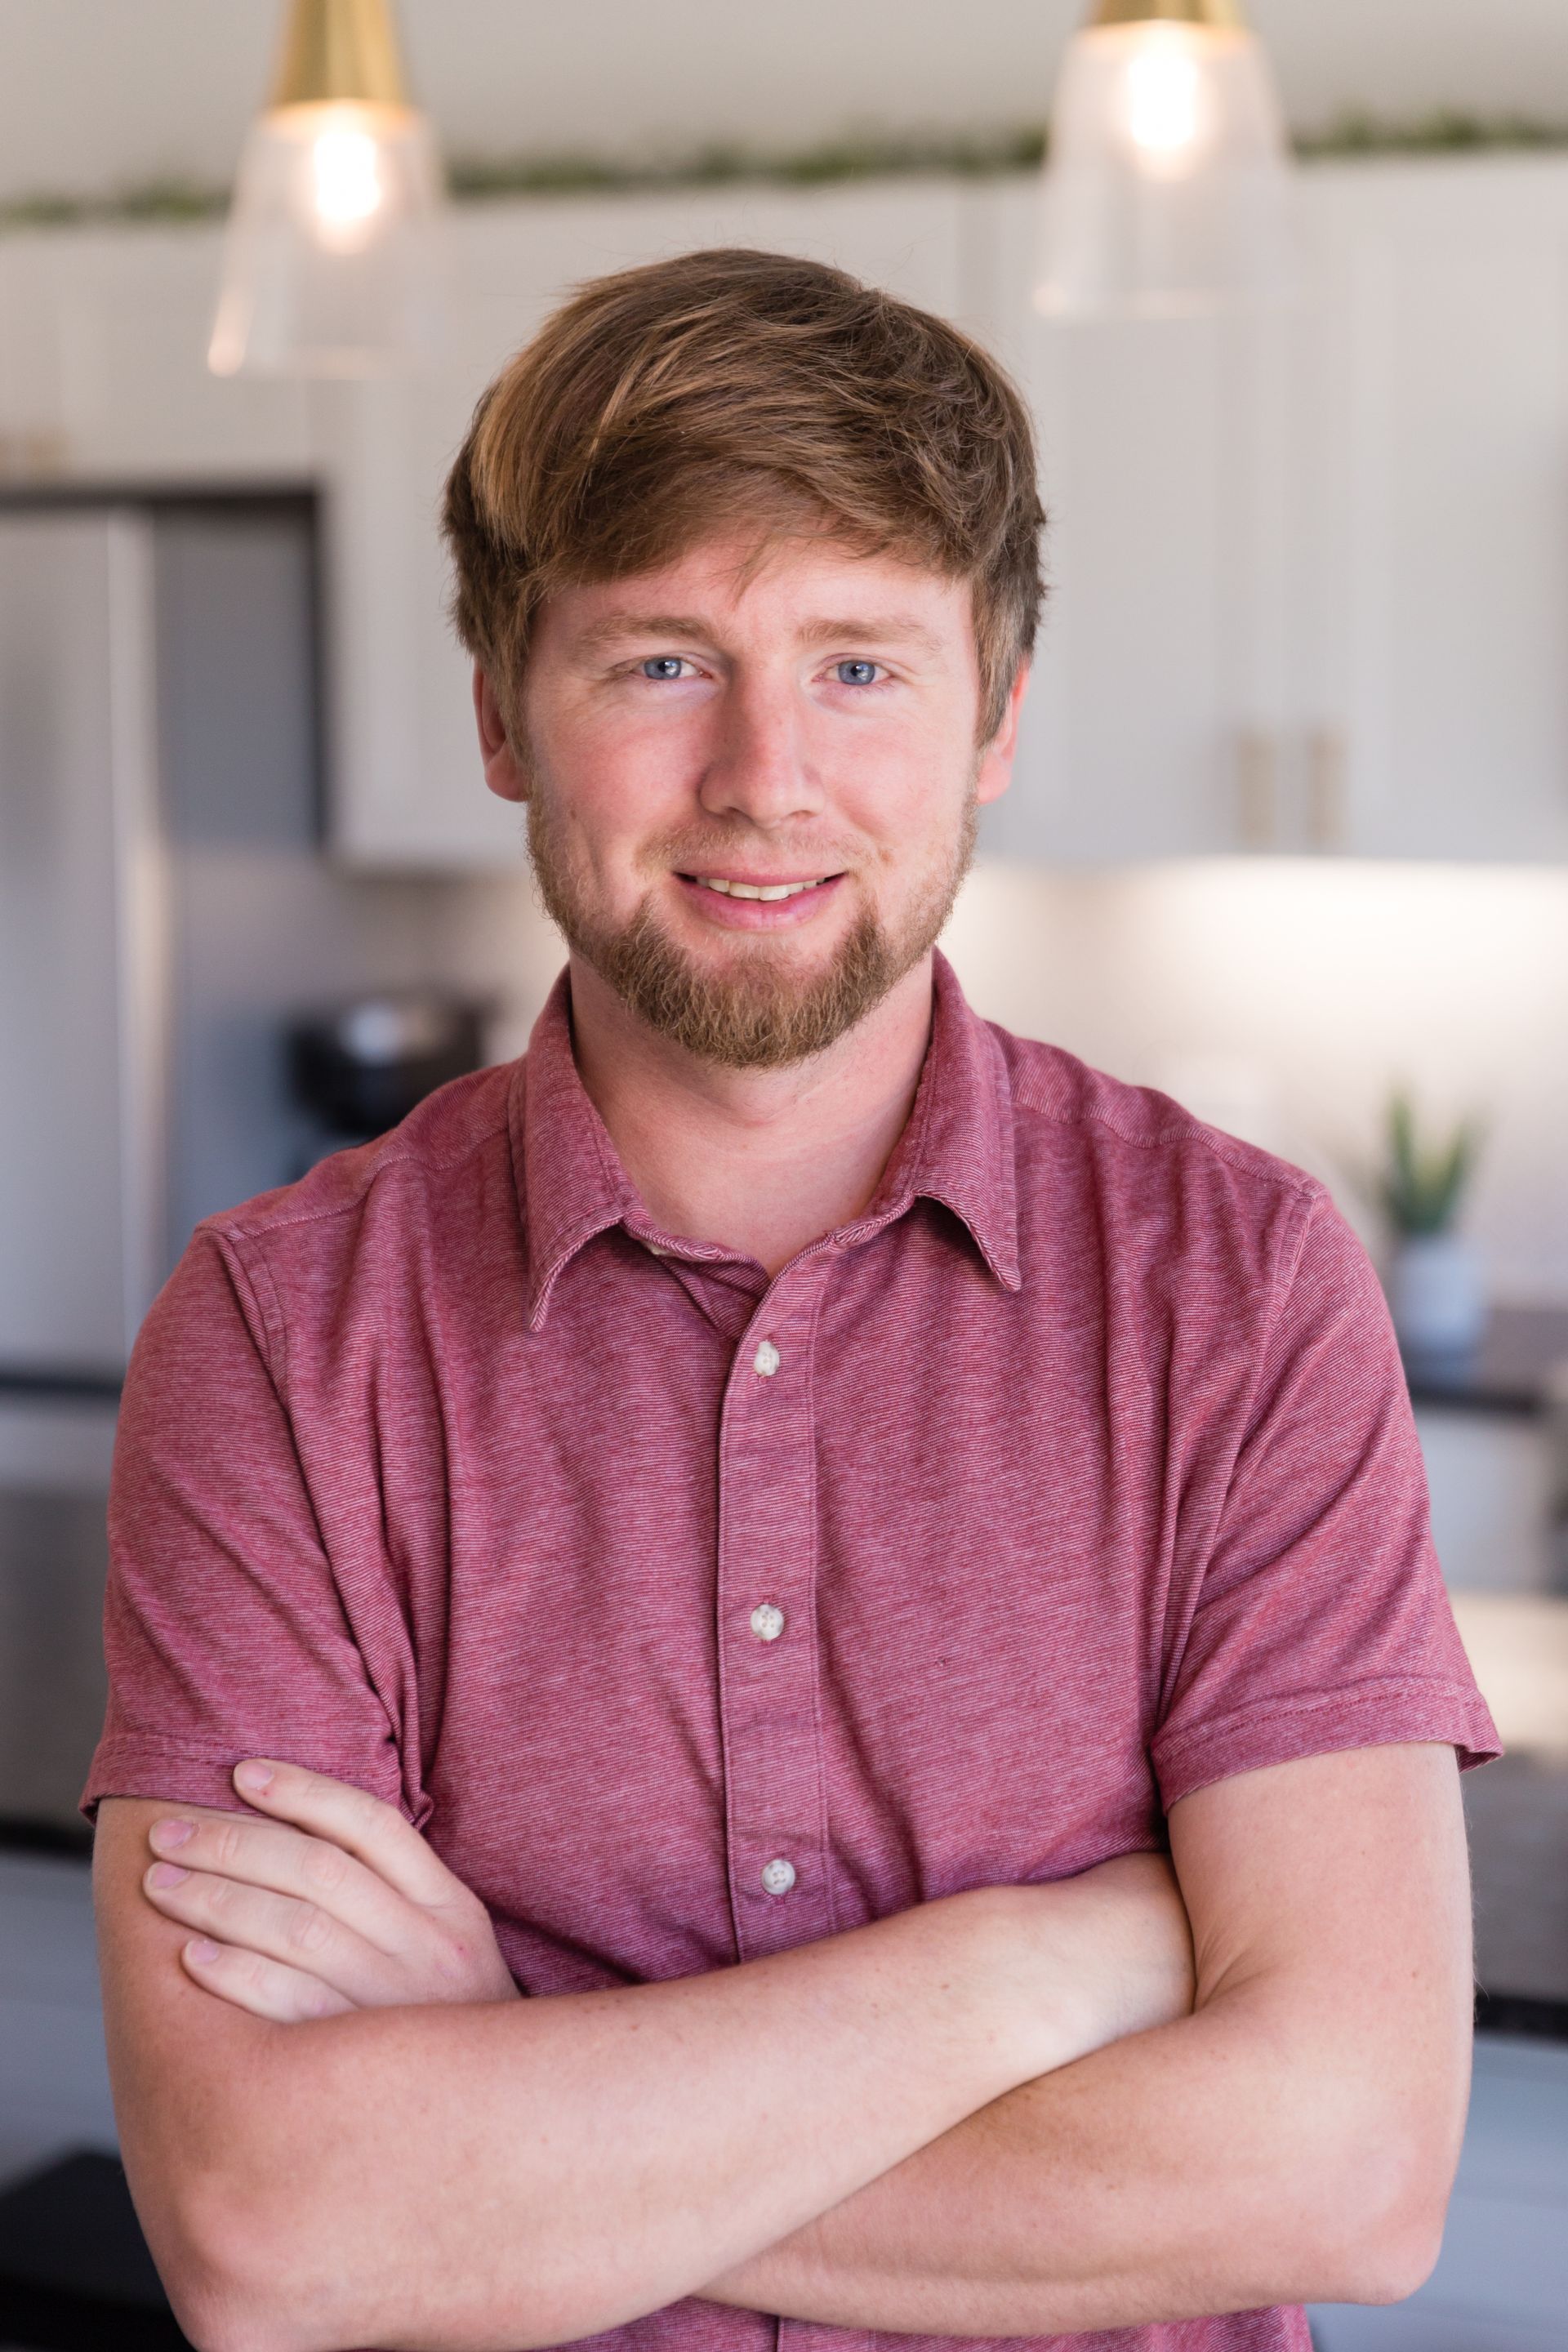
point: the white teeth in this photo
(757, 890)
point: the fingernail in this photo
(201, 1947)
(167, 1873)
(171, 1832)
(254, 1776)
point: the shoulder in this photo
(1155, 1181)
(429, 1154)
(1136, 1131)
(363, 1222)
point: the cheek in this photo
(612, 786)
(903, 787)
(628, 771)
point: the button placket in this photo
(767, 1682)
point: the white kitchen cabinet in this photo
(104, 374)
(1424, 499)
(407, 788)
(1153, 673)
(1309, 576)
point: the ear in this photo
(996, 761)
(503, 775)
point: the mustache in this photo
(678, 852)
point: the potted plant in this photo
(1436, 1290)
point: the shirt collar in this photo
(957, 1148)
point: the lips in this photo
(757, 903)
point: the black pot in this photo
(361, 1067)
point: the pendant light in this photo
(331, 264)
(1166, 185)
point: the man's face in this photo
(696, 733)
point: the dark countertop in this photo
(1509, 1371)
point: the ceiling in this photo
(98, 94)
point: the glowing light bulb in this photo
(1164, 93)
(333, 259)
(347, 184)
(1166, 185)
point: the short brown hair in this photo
(663, 401)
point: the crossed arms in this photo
(1018, 2111)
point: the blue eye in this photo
(855, 673)
(663, 666)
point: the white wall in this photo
(97, 93)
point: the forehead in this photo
(742, 582)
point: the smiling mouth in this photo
(728, 889)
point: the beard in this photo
(752, 1012)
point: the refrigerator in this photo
(158, 782)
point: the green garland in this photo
(853, 156)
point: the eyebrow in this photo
(879, 629)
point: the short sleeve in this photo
(1321, 1620)
(225, 1633)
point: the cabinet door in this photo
(103, 373)
(1428, 494)
(1156, 663)
(138, 402)
(407, 788)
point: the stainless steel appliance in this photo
(156, 663)
(168, 914)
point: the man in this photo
(768, 1521)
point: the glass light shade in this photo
(1166, 187)
(332, 261)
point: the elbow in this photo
(245, 2273)
(1390, 2267)
(1401, 2254)
(230, 2284)
(1385, 2245)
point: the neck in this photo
(764, 1161)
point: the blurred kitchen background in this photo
(1289, 836)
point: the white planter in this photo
(1436, 1294)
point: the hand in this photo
(334, 1903)
(1139, 1944)
(1103, 1955)
(1144, 1938)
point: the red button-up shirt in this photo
(693, 1615)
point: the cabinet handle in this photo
(1327, 766)
(1257, 789)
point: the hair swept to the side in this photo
(661, 403)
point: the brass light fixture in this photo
(332, 265)
(1167, 183)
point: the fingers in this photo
(258, 1924)
(354, 1821)
(343, 1889)
(266, 1987)
(285, 1861)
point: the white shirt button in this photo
(767, 1622)
(766, 1361)
(778, 1875)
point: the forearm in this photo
(1208, 2165)
(526, 2173)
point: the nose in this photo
(760, 764)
